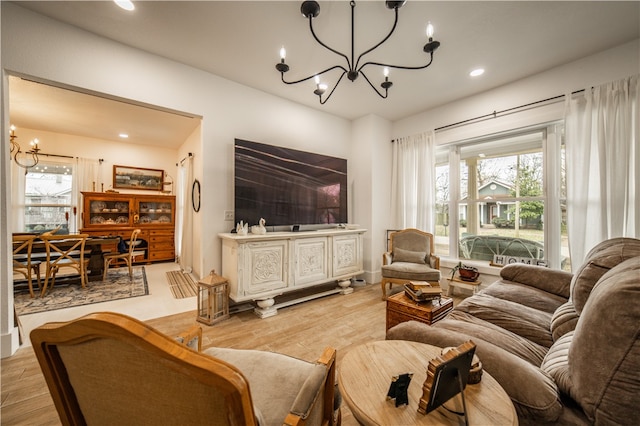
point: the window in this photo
(48, 197)
(499, 199)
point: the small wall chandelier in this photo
(31, 156)
(353, 69)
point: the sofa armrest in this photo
(386, 258)
(552, 281)
(434, 261)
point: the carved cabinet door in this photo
(311, 260)
(347, 254)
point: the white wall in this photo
(371, 151)
(600, 68)
(37, 46)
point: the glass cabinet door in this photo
(109, 212)
(155, 212)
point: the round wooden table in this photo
(365, 373)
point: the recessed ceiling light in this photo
(477, 72)
(123, 135)
(125, 4)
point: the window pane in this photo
(501, 202)
(442, 209)
(48, 197)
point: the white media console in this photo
(261, 267)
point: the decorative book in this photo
(422, 292)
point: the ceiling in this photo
(240, 40)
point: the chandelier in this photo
(354, 68)
(31, 156)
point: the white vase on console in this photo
(259, 229)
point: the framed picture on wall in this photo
(125, 177)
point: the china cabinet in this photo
(108, 213)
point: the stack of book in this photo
(422, 291)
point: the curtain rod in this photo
(188, 156)
(55, 155)
(495, 114)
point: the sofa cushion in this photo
(529, 323)
(556, 363)
(533, 392)
(564, 319)
(604, 357)
(410, 271)
(466, 323)
(525, 295)
(279, 383)
(400, 255)
(598, 261)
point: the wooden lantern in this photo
(213, 299)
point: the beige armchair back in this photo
(107, 368)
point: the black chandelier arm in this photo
(314, 75)
(374, 87)
(395, 23)
(346, 58)
(400, 67)
(334, 88)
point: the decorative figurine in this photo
(242, 228)
(259, 229)
(399, 387)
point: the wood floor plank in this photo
(302, 331)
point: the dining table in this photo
(95, 246)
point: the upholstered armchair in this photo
(410, 258)
(107, 368)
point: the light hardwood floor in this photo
(303, 331)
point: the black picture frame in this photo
(195, 195)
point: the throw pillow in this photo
(400, 255)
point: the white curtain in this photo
(413, 177)
(86, 177)
(602, 143)
(184, 237)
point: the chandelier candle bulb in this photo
(429, 30)
(283, 53)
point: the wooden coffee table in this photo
(364, 376)
(401, 308)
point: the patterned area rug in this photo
(117, 286)
(181, 285)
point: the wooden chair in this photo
(22, 261)
(64, 251)
(127, 257)
(410, 258)
(107, 368)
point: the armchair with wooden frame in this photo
(411, 257)
(64, 251)
(108, 368)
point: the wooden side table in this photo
(401, 308)
(474, 286)
(365, 373)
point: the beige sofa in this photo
(564, 347)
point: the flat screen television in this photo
(288, 187)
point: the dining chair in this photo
(22, 261)
(64, 251)
(127, 256)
